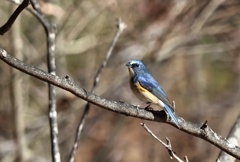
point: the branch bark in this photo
(50, 30)
(234, 138)
(199, 130)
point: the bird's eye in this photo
(135, 65)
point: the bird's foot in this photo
(148, 108)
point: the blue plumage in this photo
(146, 88)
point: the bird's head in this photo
(136, 67)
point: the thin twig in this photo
(13, 17)
(50, 31)
(121, 27)
(167, 145)
(52, 96)
(36, 6)
(120, 107)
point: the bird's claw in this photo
(148, 108)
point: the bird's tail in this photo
(170, 112)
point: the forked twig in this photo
(167, 145)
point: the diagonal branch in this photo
(13, 17)
(167, 145)
(234, 138)
(198, 130)
(121, 27)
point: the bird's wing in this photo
(149, 83)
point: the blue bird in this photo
(147, 89)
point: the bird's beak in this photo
(131, 72)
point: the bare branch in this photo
(36, 6)
(121, 26)
(167, 145)
(205, 133)
(50, 31)
(13, 17)
(234, 137)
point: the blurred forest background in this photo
(190, 47)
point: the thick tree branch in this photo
(198, 130)
(233, 138)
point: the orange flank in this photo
(140, 88)
(146, 94)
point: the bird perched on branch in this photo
(147, 89)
